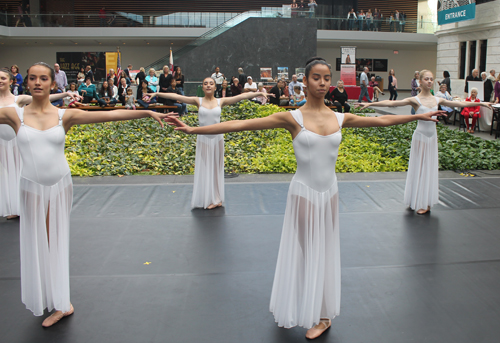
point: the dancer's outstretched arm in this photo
(352, 120)
(274, 121)
(190, 100)
(452, 104)
(243, 96)
(24, 100)
(8, 116)
(391, 103)
(76, 117)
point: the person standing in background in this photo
(61, 79)
(18, 80)
(393, 85)
(474, 76)
(491, 77)
(351, 19)
(363, 84)
(164, 83)
(218, 78)
(242, 78)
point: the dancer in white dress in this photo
(47, 192)
(306, 288)
(208, 189)
(10, 161)
(422, 180)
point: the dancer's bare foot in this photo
(211, 207)
(57, 316)
(422, 211)
(315, 332)
(12, 217)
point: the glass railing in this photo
(206, 20)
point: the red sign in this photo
(348, 74)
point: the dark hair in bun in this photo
(52, 73)
(315, 61)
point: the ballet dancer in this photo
(306, 288)
(422, 180)
(208, 189)
(10, 161)
(46, 191)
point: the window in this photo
(463, 51)
(472, 56)
(479, 2)
(482, 56)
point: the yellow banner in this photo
(111, 61)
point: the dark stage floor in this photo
(405, 278)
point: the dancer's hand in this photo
(160, 116)
(487, 105)
(74, 96)
(173, 119)
(428, 116)
(363, 105)
(269, 94)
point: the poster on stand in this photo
(348, 54)
(300, 72)
(266, 74)
(282, 73)
(348, 74)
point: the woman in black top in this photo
(179, 78)
(164, 83)
(143, 98)
(181, 107)
(106, 95)
(122, 90)
(339, 98)
(141, 75)
(446, 81)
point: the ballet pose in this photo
(306, 288)
(46, 191)
(422, 180)
(10, 161)
(208, 190)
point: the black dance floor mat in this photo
(147, 268)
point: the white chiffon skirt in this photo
(45, 262)
(306, 284)
(10, 169)
(422, 180)
(208, 171)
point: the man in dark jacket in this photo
(279, 94)
(473, 77)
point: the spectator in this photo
(80, 77)
(181, 108)
(443, 93)
(376, 20)
(141, 75)
(351, 19)
(236, 88)
(60, 79)
(487, 88)
(312, 8)
(298, 97)
(369, 20)
(20, 12)
(402, 17)
(393, 85)
(294, 7)
(361, 20)
(218, 78)
(250, 86)
(88, 91)
(391, 23)
(123, 75)
(130, 99)
(18, 80)
(497, 90)
(491, 77)
(106, 95)
(69, 100)
(397, 21)
(152, 81)
(143, 97)
(114, 88)
(280, 98)
(292, 84)
(122, 90)
(376, 90)
(471, 114)
(128, 70)
(242, 78)
(415, 84)
(446, 81)
(179, 78)
(473, 77)
(164, 83)
(111, 74)
(338, 97)
(89, 73)
(102, 17)
(363, 84)
(58, 102)
(261, 99)
(27, 18)
(225, 90)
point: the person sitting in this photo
(143, 98)
(122, 91)
(152, 80)
(236, 88)
(261, 99)
(224, 91)
(298, 97)
(338, 97)
(88, 91)
(376, 89)
(106, 95)
(181, 107)
(58, 102)
(123, 75)
(250, 86)
(129, 99)
(280, 98)
(443, 93)
(471, 113)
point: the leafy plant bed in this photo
(143, 147)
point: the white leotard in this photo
(7, 133)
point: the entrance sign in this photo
(452, 11)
